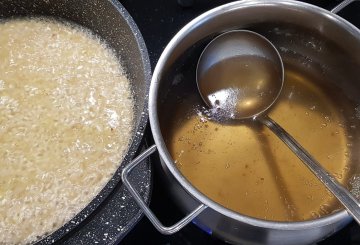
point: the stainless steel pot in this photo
(315, 39)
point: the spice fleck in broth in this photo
(246, 168)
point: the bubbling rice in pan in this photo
(66, 121)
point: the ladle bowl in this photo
(240, 74)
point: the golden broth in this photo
(245, 167)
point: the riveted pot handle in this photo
(149, 214)
(341, 5)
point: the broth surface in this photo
(239, 87)
(66, 120)
(246, 168)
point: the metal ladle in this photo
(240, 74)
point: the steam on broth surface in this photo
(246, 168)
(66, 120)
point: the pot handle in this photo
(341, 5)
(149, 214)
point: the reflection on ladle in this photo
(288, 200)
(240, 74)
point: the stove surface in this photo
(159, 21)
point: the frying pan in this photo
(109, 20)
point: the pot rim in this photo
(159, 141)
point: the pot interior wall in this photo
(322, 48)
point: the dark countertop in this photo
(159, 21)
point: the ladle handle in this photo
(341, 5)
(341, 193)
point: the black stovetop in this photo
(159, 21)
